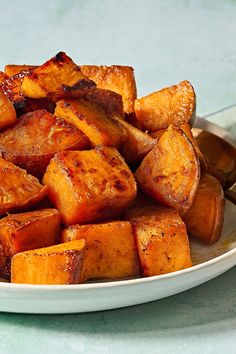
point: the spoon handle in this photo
(230, 194)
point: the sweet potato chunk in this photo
(171, 105)
(158, 134)
(110, 102)
(26, 231)
(55, 265)
(7, 111)
(100, 128)
(204, 219)
(55, 77)
(12, 88)
(12, 69)
(161, 238)
(170, 172)
(36, 137)
(116, 78)
(110, 250)
(23, 104)
(18, 190)
(3, 77)
(96, 184)
(137, 144)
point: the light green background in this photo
(166, 41)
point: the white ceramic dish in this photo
(209, 262)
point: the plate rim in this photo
(122, 283)
(199, 123)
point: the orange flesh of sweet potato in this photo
(170, 172)
(25, 231)
(18, 190)
(110, 102)
(7, 111)
(116, 78)
(12, 88)
(3, 77)
(29, 230)
(172, 105)
(110, 250)
(54, 78)
(55, 265)
(204, 219)
(96, 184)
(12, 69)
(137, 144)
(158, 134)
(36, 137)
(161, 238)
(88, 117)
(187, 131)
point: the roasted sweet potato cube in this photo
(36, 138)
(96, 184)
(55, 265)
(29, 230)
(99, 127)
(110, 250)
(170, 172)
(18, 190)
(131, 119)
(12, 88)
(204, 219)
(161, 238)
(172, 105)
(3, 77)
(137, 144)
(116, 78)
(7, 111)
(110, 102)
(55, 77)
(23, 104)
(26, 231)
(187, 131)
(157, 134)
(13, 69)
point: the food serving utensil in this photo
(221, 153)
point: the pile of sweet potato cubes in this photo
(95, 183)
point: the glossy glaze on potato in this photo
(26, 231)
(170, 172)
(109, 101)
(172, 105)
(137, 144)
(161, 238)
(36, 137)
(116, 78)
(18, 190)
(3, 76)
(58, 75)
(204, 219)
(55, 265)
(110, 251)
(7, 111)
(13, 69)
(98, 126)
(96, 184)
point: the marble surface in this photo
(166, 41)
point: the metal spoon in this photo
(221, 155)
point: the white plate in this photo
(209, 262)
